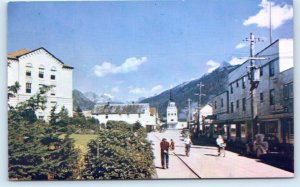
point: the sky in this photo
(137, 49)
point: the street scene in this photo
(139, 90)
(204, 162)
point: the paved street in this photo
(204, 162)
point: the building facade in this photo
(130, 113)
(272, 98)
(172, 115)
(33, 69)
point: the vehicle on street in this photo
(264, 145)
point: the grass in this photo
(82, 140)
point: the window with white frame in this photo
(28, 87)
(28, 69)
(53, 73)
(41, 71)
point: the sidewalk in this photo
(205, 163)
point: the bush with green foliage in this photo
(36, 149)
(120, 152)
(82, 124)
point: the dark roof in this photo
(67, 66)
(17, 54)
(120, 109)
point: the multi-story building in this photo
(130, 113)
(272, 99)
(172, 115)
(33, 69)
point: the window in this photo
(261, 71)
(231, 89)
(222, 102)
(237, 84)
(53, 71)
(272, 97)
(28, 87)
(139, 115)
(243, 83)
(261, 97)
(243, 131)
(290, 91)
(41, 74)
(28, 69)
(41, 71)
(28, 73)
(41, 117)
(237, 103)
(244, 104)
(231, 106)
(215, 104)
(272, 68)
(106, 116)
(233, 130)
(52, 92)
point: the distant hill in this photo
(214, 84)
(79, 99)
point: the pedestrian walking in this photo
(172, 145)
(164, 153)
(187, 143)
(221, 145)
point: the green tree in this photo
(13, 90)
(119, 154)
(40, 150)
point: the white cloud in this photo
(145, 92)
(115, 89)
(137, 91)
(212, 65)
(108, 95)
(280, 14)
(157, 88)
(236, 61)
(130, 64)
(240, 45)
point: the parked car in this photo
(264, 145)
(274, 144)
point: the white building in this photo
(172, 115)
(205, 113)
(32, 69)
(130, 113)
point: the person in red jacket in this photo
(164, 153)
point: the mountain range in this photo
(214, 83)
(87, 100)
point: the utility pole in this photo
(199, 105)
(189, 113)
(270, 22)
(253, 83)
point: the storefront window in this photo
(271, 127)
(233, 130)
(243, 131)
